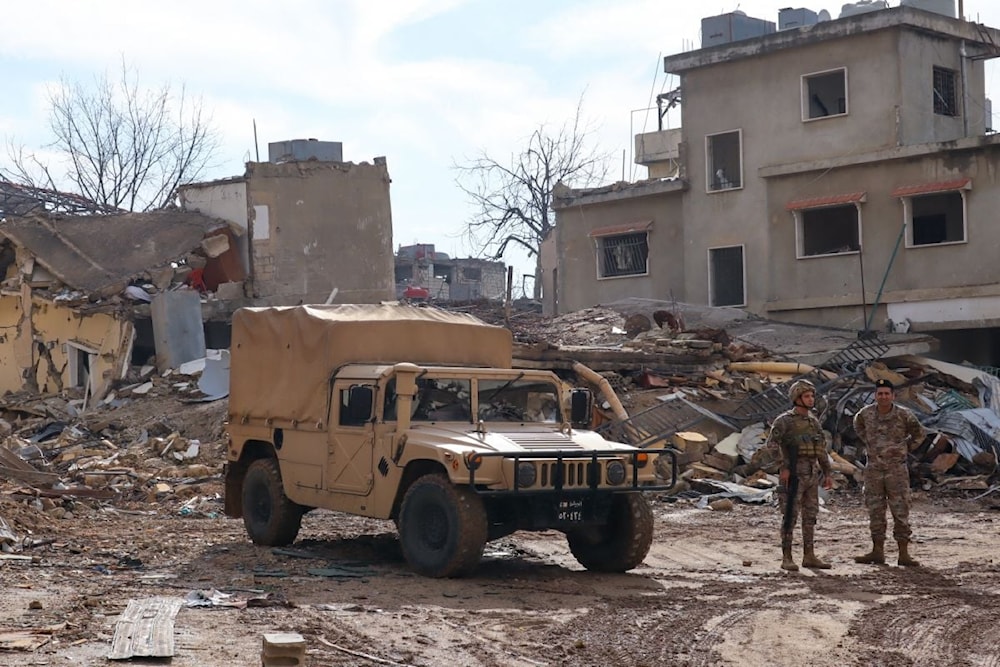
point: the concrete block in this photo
(283, 649)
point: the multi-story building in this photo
(841, 173)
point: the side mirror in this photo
(360, 400)
(580, 404)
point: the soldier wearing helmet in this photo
(889, 432)
(804, 465)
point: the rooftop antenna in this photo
(256, 148)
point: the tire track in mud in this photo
(947, 627)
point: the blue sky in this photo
(426, 83)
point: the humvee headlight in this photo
(616, 472)
(526, 474)
(473, 460)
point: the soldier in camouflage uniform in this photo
(889, 432)
(804, 463)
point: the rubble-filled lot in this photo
(121, 502)
(710, 593)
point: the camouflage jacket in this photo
(888, 437)
(802, 433)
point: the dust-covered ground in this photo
(709, 593)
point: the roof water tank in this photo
(862, 6)
(796, 18)
(296, 150)
(945, 7)
(732, 27)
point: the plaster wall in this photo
(329, 227)
(11, 362)
(919, 53)
(577, 282)
(52, 335)
(921, 274)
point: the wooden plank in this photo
(146, 629)
(30, 476)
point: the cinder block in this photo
(283, 649)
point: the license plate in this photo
(570, 511)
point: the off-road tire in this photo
(271, 519)
(442, 527)
(622, 543)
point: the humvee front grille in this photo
(574, 474)
(579, 471)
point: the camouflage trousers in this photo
(806, 501)
(888, 484)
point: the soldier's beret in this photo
(882, 382)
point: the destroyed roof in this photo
(94, 252)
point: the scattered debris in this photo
(145, 629)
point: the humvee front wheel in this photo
(622, 543)
(271, 519)
(442, 527)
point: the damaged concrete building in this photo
(840, 173)
(86, 295)
(68, 285)
(423, 273)
(313, 228)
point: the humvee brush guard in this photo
(415, 415)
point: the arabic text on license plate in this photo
(570, 510)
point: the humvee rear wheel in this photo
(442, 527)
(622, 543)
(271, 519)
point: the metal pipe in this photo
(885, 276)
(963, 54)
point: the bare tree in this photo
(514, 200)
(118, 144)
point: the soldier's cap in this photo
(882, 382)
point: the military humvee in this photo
(416, 415)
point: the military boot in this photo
(786, 556)
(904, 555)
(874, 557)
(809, 558)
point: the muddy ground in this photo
(709, 593)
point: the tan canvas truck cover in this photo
(283, 357)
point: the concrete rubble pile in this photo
(124, 454)
(700, 383)
(711, 396)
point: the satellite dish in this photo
(822, 16)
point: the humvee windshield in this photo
(450, 399)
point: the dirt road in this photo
(710, 593)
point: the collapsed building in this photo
(422, 273)
(87, 292)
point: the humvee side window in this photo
(443, 399)
(518, 401)
(353, 415)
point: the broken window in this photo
(724, 159)
(945, 92)
(831, 230)
(623, 255)
(726, 276)
(80, 362)
(404, 272)
(472, 274)
(824, 94)
(935, 218)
